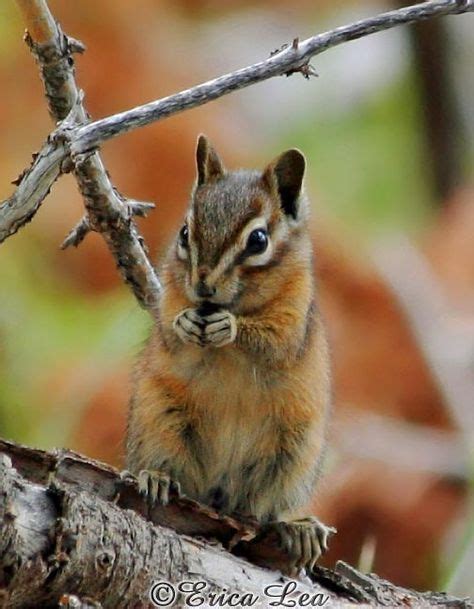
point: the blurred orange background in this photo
(387, 129)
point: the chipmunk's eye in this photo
(257, 242)
(184, 237)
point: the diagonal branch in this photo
(33, 185)
(107, 212)
(431, 319)
(292, 58)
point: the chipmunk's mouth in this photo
(211, 305)
(213, 302)
(207, 308)
(221, 298)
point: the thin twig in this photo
(83, 227)
(77, 235)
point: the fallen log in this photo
(77, 533)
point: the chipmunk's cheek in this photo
(228, 292)
(190, 292)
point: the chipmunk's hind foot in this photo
(155, 486)
(304, 540)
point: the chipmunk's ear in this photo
(284, 177)
(209, 165)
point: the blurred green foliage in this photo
(367, 164)
(46, 328)
(10, 26)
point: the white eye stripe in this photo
(280, 233)
(255, 224)
(232, 254)
(183, 253)
(188, 252)
(229, 257)
(256, 259)
(192, 248)
(260, 259)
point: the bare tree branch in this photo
(106, 211)
(291, 59)
(53, 51)
(33, 185)
(58, 537)
(77, 235)
(83, 227)
(75, 532)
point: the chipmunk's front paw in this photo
(156, 485)
(189, 326)
(303, 540)
(220, 329)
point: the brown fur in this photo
(242, 426)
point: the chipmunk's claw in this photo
(304, 541)
(188, 325)
(220, 328)
(155, 486)
(215, 328)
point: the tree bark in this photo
(76, 533)
(107, 212)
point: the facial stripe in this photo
(182, 252)
(281, 249)
(276, 237)
(230, 256)
(193, 247)
(208, 230)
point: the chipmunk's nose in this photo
(203, 290)
(202, 287)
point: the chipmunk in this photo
(232, 392)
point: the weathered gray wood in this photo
(75, 532)
(59, 538)
(106, 211)
(33, 185)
